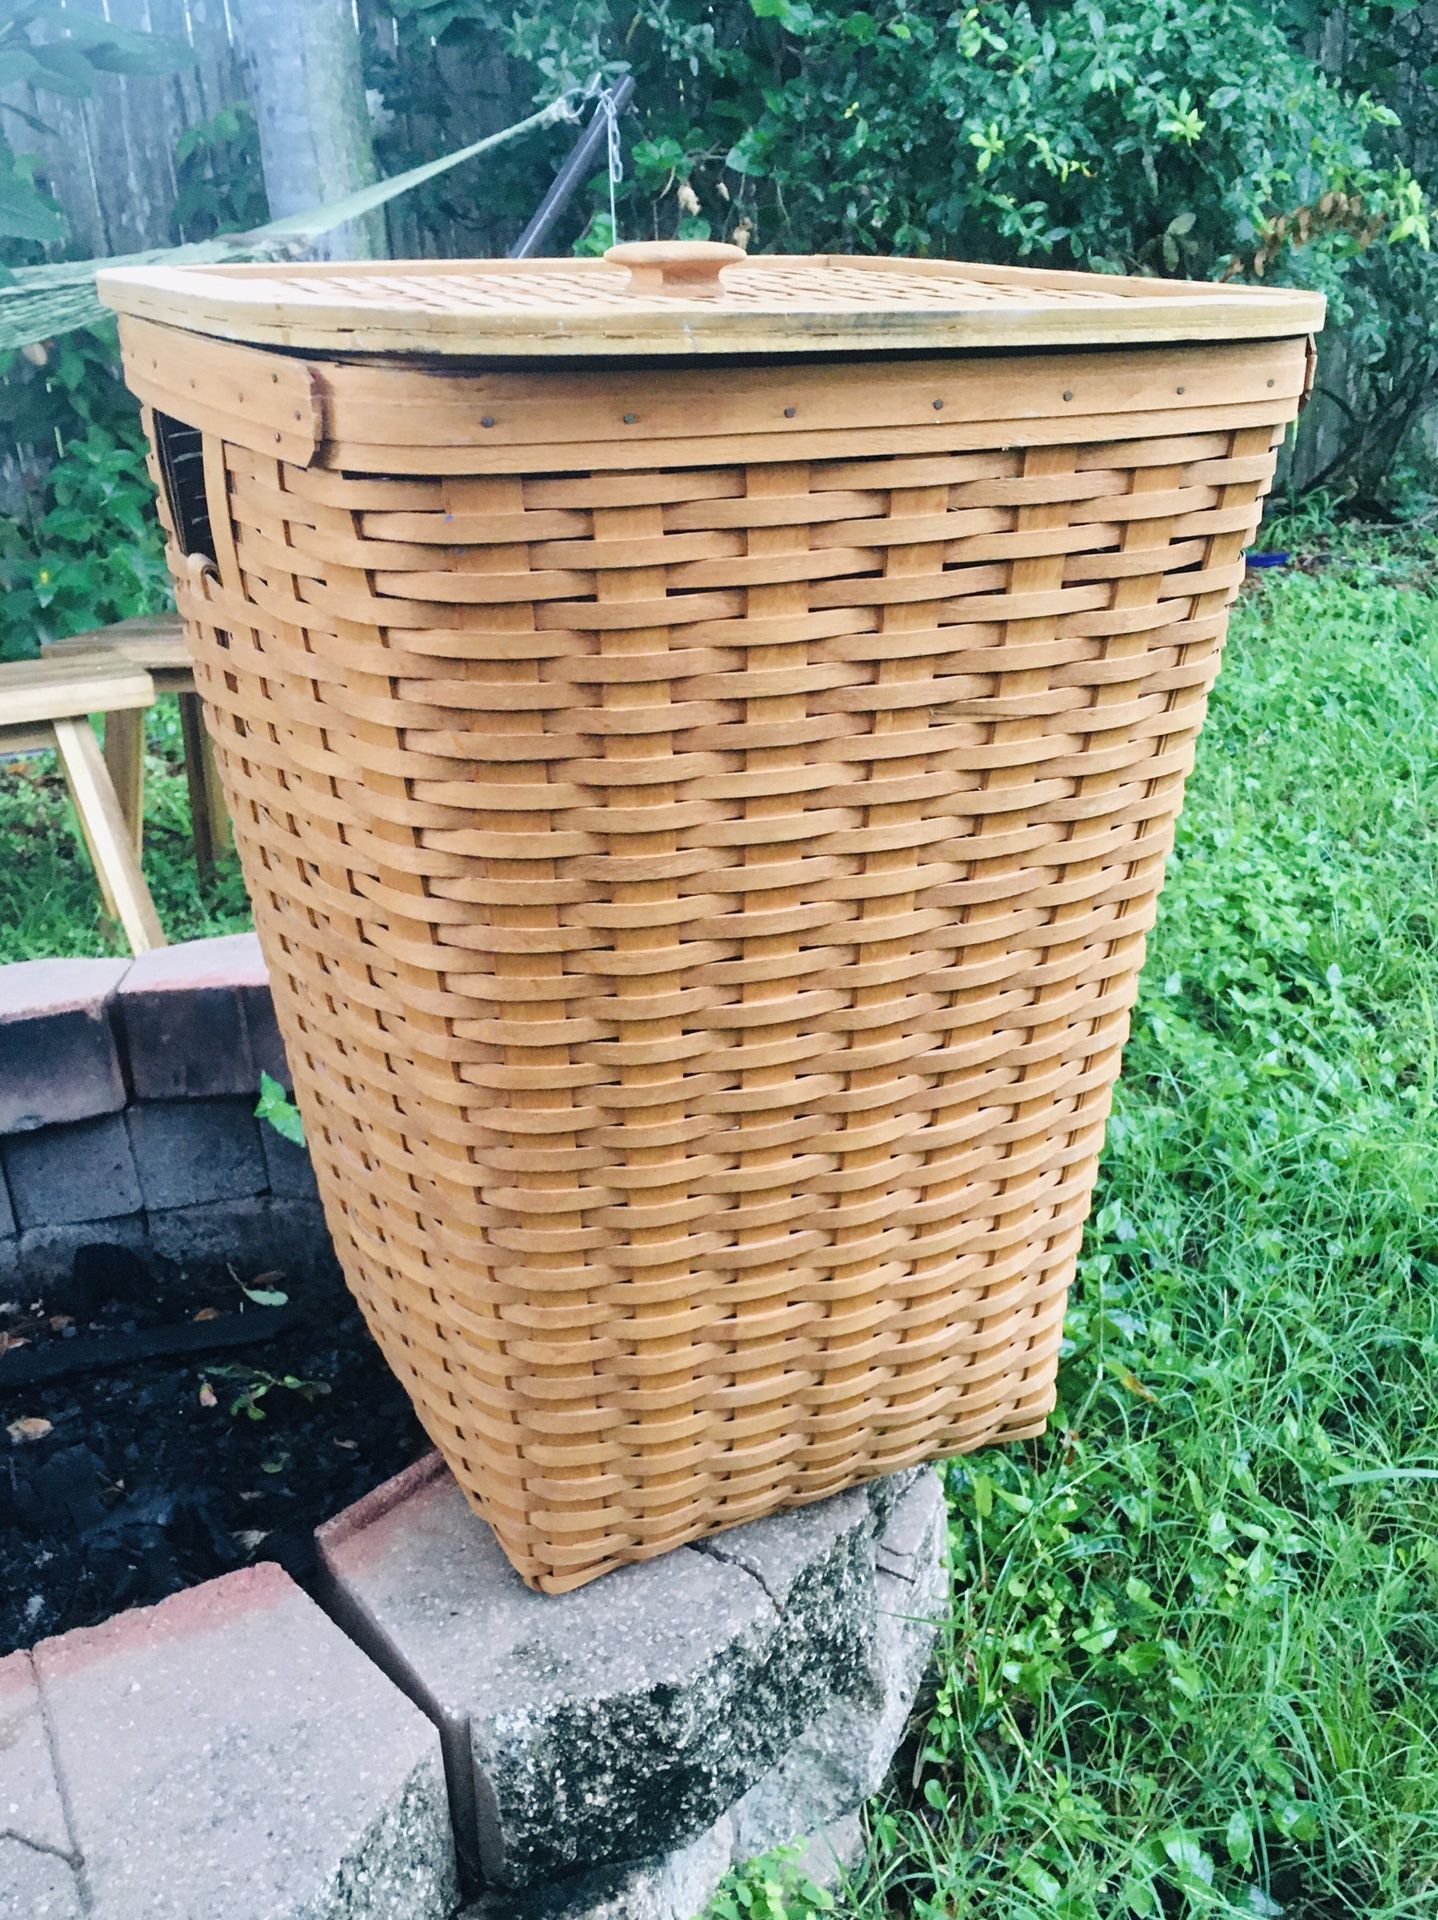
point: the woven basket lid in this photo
(684, 297)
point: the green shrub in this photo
(1171, 136)
(1286, 140)
(83, 548)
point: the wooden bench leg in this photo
(107, 834)
(209, 820)
(125, 758)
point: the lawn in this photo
(1193, 1664)
(49, 902)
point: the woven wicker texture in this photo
(704, 900)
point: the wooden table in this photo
(48, 704)
(156, 643)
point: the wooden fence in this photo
(109, 159)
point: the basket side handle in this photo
(251, 396)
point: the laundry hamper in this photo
(703, 736)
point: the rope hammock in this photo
(37, 303)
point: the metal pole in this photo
(571, 175)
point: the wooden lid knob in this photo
(690, 267)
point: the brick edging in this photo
(127, 1094)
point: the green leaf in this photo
(265, 1296)
(63, 68)
(113, 49)
(1188, 1858)
(24, 214)
(1039, 1882)
(278, 1109)
(1261, 1904)
(17, 64)
(1238, 1837)
(1141, 1659)
(1295, 1819)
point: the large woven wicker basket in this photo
(703, 753)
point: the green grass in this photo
(1193, 1664)
(49, 902)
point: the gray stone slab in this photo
(36, 1886)
(814, 1792)
(844, 1756)
(58, 1057)
(230, 1752)
(47, 1254)
(183, 1023)
(291, 1175)
(30, 1805)
(38, 1879)
(677, 1887)
(885, 1492)
(253, 1236)
(786, 1550)
(84, 1171)
(189, 1152)
(613, 1723)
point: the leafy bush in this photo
(1172, 136)
(1197, 137)
(219, 187)
(81, 546)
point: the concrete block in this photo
(84, 1171)
(886, 1492)
(674, 1886)
(618, 1722)
(46, 1255)
(238, 1232)
(813, 1794)
(58, 1058)
(229, 1752)
(844, 1755)
(257, 1235)
(38, 1879)
(258, 1006)
(182, 1022)
(291, 1174)
(301, 1236)
(35, 1885)
(188, 1152)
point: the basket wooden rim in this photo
(376, 308)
